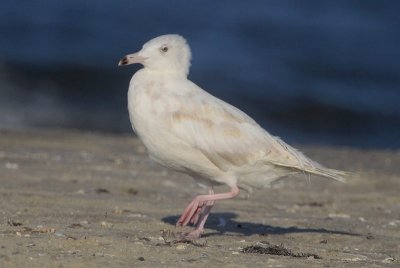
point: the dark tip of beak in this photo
(123, 61)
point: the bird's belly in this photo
(151, 124)
(170, 152)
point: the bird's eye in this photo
(164, 48)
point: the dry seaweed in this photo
(261, 248)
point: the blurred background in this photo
(312, 72)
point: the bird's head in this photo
(166, 53)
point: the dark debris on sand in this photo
(267, 248)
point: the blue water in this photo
(313, 72)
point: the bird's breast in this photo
(149, 110)
(144, 108)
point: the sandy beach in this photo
(80, 199)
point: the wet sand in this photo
(79, 199)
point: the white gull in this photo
(188, 130)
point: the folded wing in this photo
(228, 137)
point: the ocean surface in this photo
(311, 72)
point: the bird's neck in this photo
(167, 74)
(145, 76)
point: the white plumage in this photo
(187, 129)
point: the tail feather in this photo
(302, 163)
(329, 173)
(319, 170)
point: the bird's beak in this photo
(131, 59)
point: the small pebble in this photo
(60, 234)
(137, 215)
(181, 247)
(80, 191)
(339, 215)
(394, 223)
(11, 165)
(106, 224)
(133, 191)
(389, 260)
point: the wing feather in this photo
(228, 137)
(223, 133)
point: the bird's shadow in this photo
(230, 225)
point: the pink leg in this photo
(196, 233)
(202, 208)
(196, 212)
